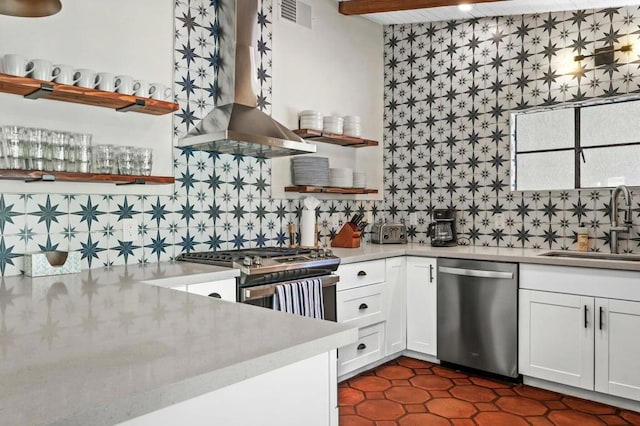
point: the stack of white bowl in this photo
(359, 179)
(352, 126)
(341, 178)
(310, 119)
(312, 171)
(333, 124)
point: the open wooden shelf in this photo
(329, 190)
(47, 176)
(38, 89)
(331, 138)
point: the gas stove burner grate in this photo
(227, 257)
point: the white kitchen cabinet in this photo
(360, 274)
(617, 347)
(309, 388)
(421, 317)
(556, 337)
(361, 306)
(223, 289)
(368, 349)
(220, 289)
(583, 340)
(371, 296)
(396, 325)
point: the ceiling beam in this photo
(360, 7)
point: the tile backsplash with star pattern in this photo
(449, 89)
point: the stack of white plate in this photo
(312, 171)
(352, 126)
(359, 179)
(333, 124)
(342, 178)
(311, 120)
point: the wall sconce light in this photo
(30, 8)
(604, 55)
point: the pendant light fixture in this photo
(30, 8)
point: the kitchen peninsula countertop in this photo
(100, 347)
(500, 254)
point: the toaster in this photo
(389, 233)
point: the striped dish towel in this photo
(300, 298)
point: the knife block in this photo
(348, 237)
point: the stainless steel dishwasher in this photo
(478, 315)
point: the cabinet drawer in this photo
(361, 306)
(226, 289)
(366, 350)
(361, 273)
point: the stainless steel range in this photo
(262, 269)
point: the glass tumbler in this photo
(104, 159)
(16, 141)
(84, 152)
(145, 161)
(126, 158)
(38, 149)
(72, 154)
(59, 145)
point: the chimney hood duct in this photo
(236, 125)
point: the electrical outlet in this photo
(129, 230)
(368, 216)
(413, 219)
(335, 221)
(498, 220)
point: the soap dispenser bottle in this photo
(583, 239)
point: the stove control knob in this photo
(321, 252)
(246, 261)
(257, 261)
(313, 254)
(328, 252)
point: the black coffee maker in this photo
(443, 229)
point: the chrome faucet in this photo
(615, 227)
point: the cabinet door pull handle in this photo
(215, 295)
(586, 314)
(363, 306)
(362, 274)
(430, 273)
(601, 313)
(362, 346)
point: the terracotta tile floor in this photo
(407, 391)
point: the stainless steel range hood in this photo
(236, 125)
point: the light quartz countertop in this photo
(100, 347)
(500, 254)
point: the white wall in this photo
(119, 36)
(336, 68)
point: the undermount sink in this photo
(592, 255)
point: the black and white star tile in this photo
(449, 90)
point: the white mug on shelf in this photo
(107, 82)
(86, 78)
(41, 69)
(159, 91)
(15, 65)
(141, 88)
(63, 74)
(124, 84)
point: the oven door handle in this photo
(262, 291)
